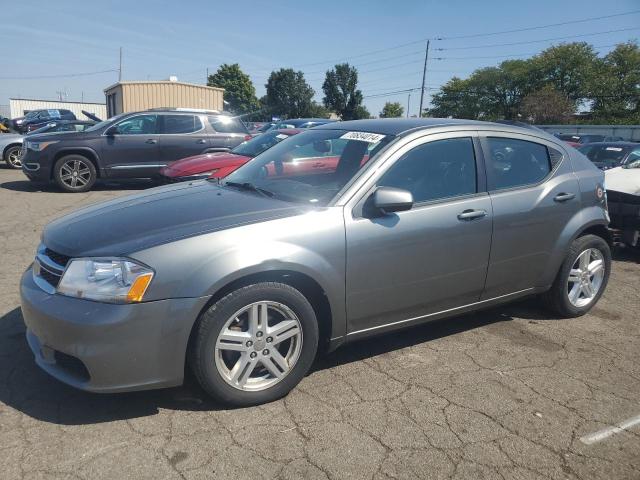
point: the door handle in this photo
(202, 141)
(563, 197)
(151, 141)
(471, 214)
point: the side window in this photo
(138, 125)
(634, 156)
(224, 124)
(435, 170)
(514, 163)
(180, 124)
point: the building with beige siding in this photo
(125, 97)
(20, 106)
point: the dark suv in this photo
(131, 145)
(41, 117)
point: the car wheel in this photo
(13, 157)
(74, 173)
(255, 344)
(582, 278)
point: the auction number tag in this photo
(281, 136)
(363, 136)
(614, 149)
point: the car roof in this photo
(398, 126)
(289, 131)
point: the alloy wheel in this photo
(258, 346)
(586, 277)
(75, 173)
(14, 157)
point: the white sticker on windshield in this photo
(363, 136)
(614, 149)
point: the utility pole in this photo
(424, 76)
(408, 103)
(206, 81)
(120, 68)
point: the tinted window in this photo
(224, 124)
(633, 156)
(181, 124)
(513, 163)
(259, 144)
(138, 125)
(604, 153)
(440, 169)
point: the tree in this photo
(360, 112)
(288, 94)
(340, 91)
(616, 86)
(239, 91)
(547, 106)
(392, 110)
(318, 111)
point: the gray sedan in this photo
(10, 147)
(243, 280)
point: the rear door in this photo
(132, 149)
(181, 135)
(227, 132)
(534, 194)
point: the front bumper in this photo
(36, 165)
(102, 347)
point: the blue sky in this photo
(183, 38)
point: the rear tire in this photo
(74, 173)
(576, 289)
(12, 157)
(274, 354)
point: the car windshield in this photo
(259, 144)
(31, 114)
(610, 154)
(311, 167)
(104, 123)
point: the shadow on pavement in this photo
(24, 387)
(28, 186)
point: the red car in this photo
(221, 164)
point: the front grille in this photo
(58, 258)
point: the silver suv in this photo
(404, 221)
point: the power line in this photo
(569, 22)
(539, 41)
(509, 55)
(67, 75)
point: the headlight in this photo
(112, 280)
(39, 146)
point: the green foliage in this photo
(360, 112)
(238, 88)
(289, 95)
(341, 94)
(564, 77)
(392, 110)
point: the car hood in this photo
(59, 136)
(204, 163)
(157, 216)
(7, 138)
(625, 180)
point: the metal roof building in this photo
(19, 106)
(135, 96)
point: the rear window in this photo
(607, 153)
(224, 124)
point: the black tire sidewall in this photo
(9, 150)
(66, 188)
(212, 321)
(578, 246)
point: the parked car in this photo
(577, 140)
(10, 147)
(41, 116)
(605, 155)
(62, 126)
(300, 123)
(623, 193)
(221, 164)
(131, 145)
(242, 279)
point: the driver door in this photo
(405, 266)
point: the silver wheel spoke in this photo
(270, 365)
(586, 277)
(574, 275)
(575, 292)
(242, 369)
(279, 360)
(595, 266)
(232, 340)
(587, 289)
(584, 260)
(283, 330)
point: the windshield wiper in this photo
(251, 187)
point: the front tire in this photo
(74, 173)
(582, 278)
(12, 156)
(255, 344)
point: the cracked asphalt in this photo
(506, 393)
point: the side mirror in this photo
(111, 131)
(390, 199)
